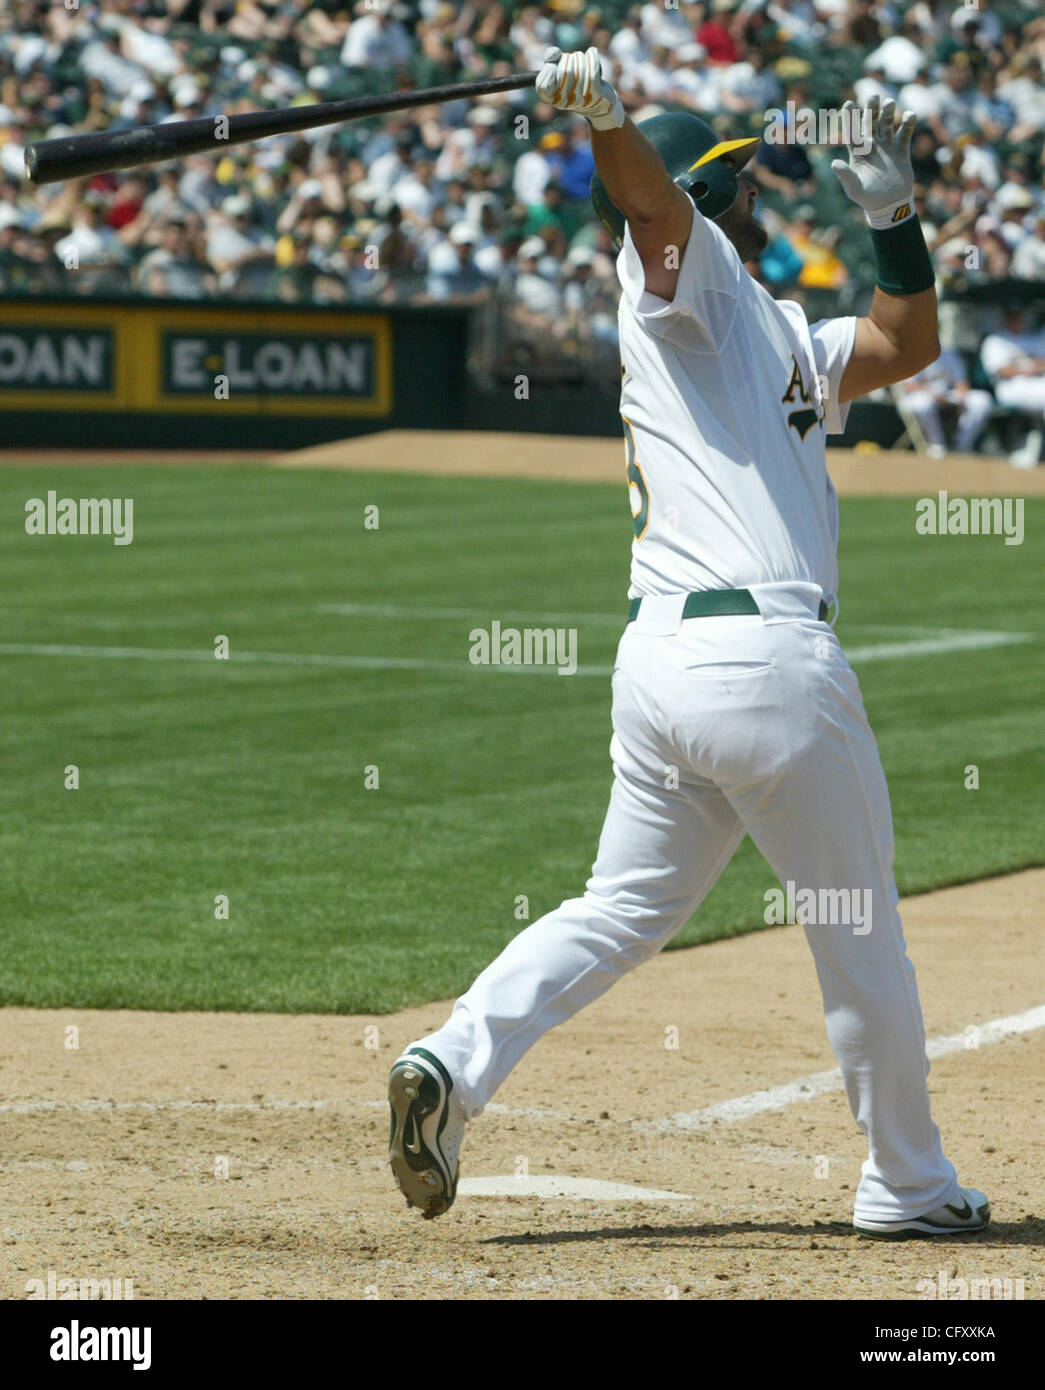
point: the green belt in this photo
(718, 603)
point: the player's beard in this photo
(748, 236)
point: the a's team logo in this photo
(801, 420)
(904, 210)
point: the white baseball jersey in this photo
(727, 395)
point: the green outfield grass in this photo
(205, 777)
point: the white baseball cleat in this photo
(427, 1129)
(952, 1219)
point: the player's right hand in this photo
(574, 82)
(878, 175)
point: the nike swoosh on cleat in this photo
(416, 1147)
(963, 1212)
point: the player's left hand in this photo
(574, 82)
(878, 175)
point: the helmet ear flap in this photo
(713, 187)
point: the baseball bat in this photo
(75, 156)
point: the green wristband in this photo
(903, 260)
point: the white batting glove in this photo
(574, 82)
(878, 174)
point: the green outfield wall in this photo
(152, 374)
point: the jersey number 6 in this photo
(638, 492)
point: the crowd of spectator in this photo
(462, 202)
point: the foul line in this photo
(954, 642)
(733, 1111)
(821, 1082)
(964, 641)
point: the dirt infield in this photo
(113, 1152)
(856, 473)
(474, 454)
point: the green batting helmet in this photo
(700, 163)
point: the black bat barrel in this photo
(76, 156)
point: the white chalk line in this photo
(822, 1082)
(964, 641)
(957, 642)
(803, 1088)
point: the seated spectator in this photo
(779, 264)
(995, 254)
(924, 159)
(1022, 90)
(750, 85)
(861, 28)
(534, 169)
(537, 296)
(875, 83)
(628, 46)
(972, 28)
(953, 94)
(579, 286)
(91, 241)
(693, 84)
(416, 192)
(715, 36)
(181, 275)
(548, 213)
(900, 56)
(1028, 260)
(572, 164)
(992, 114)
(375, 40)
(465, 282)
(365, 278)
(1014, 360)
(945, 382)
(821, 268)
(241, 257)
(1015, 210)
(783, 166)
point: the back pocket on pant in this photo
(729, 670)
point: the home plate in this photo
(584, 1189)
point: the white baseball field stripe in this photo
(966, 641)
(820, 1082)
(955, 642)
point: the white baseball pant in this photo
(762, 718)
(975, 406)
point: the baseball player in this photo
(945, 382)
(734, 708)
